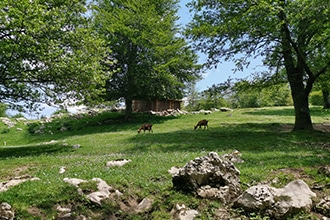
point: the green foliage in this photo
(152, 61)
(290, 36)
(3, 109)
(316, 98)
(48, 53)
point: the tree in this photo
(48, 53)
(286, 33)
(153, 61)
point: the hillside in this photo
(85, 143)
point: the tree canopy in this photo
(48, 53)
(289, 34)
(153, 60)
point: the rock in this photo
(118, 163)
(221, 193)
(279, 203)
(323, 207)
(144, 206)
(180, 212)
(209, 172)
(62, 169)
(4, 186)
(324, 170)
(76, 146)
(6, 212)
(74, 181)
(104, 191)
(234, 157)
(174, 171)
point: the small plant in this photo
(5, 131)
(88, 187)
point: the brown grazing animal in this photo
(145, 127)
(202, 123)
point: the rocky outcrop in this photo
(279, 203)
(209, 176)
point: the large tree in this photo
(48, 53)
(152, 60)
(294, 34)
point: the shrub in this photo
(316, 98)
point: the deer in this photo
(202, 123)
(145, 127)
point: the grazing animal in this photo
(145, 127)
(202, 123)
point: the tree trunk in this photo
(300, 89)
(128, 108)
(326, 101)
(303, 119)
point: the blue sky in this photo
(224, 69)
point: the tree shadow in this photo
(253, 139)
(271, 112)
(86, 125)
(35, 150)
(287, 111)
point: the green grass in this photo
(261, 135)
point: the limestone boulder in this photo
(209, 175)
(279, 203)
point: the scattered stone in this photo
(234, 157)
(64, 212)
(144, 206)
(180, 212)
(323, 207)
(74, 181)
(8, 122)
(117, 163)
(4, 186)
(104, 191)
(279, 203)
(324, 170)
(6, 211)
(76, 146)
(62, 169)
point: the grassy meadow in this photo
(262, 135)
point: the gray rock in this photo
(279, 203)
(180, 212)
(209, 172)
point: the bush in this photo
(316, 98)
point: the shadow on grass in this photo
(37, 150)
(106, 122)
(250, 139)
(288, 111)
